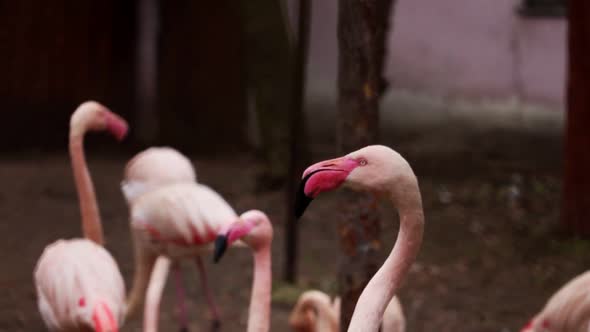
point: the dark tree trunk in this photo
(576, 196)
(269, 73)
(362, 28)
(298, 139)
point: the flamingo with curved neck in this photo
(380, 170)
(255, 229)
(87, 291)
(90, 116)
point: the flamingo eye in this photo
(362, 161)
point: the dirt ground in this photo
(492, 250)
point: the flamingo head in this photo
(93, 116)
(373, 168)
(253, 227)
(312, 310)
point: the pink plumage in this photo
(77, 282)
(180, 220)
(172, 217)
(315, 312)
(79, 286)
(153, 168)
(150, 169)
(568, 310)
(379, 170)
(255, 229)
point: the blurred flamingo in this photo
(255, 229)
(150, 169)
(567, 310)
(382, 171)
(315, 312)
(79, 286)
(174, 222)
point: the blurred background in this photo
(474, 94)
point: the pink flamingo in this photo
(174, 222)
(153, 168)
(568, 310)
(79, 286)
(315, 312)
(255, 229)
(382, 171)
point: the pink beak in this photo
(116, 125)
(320, 177)
(103, 319)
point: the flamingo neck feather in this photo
(374, 299)
(259, 312)
(91, 226)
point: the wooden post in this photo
(147, 70)
(576, 187)
(362, 28)
(298, 140)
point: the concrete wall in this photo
(477, 48)
(452, 58)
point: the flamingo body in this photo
(169, 221)
(180, 220)
(567, 310)
(79, 286)
(77, 280)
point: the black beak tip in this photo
(301, 203)
(220, 246)
(301, 199)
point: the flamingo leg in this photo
(216, 322)
(154, 293)
(180, 295)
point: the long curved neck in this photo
(91, 226)
(259, 312)
(371, 305)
